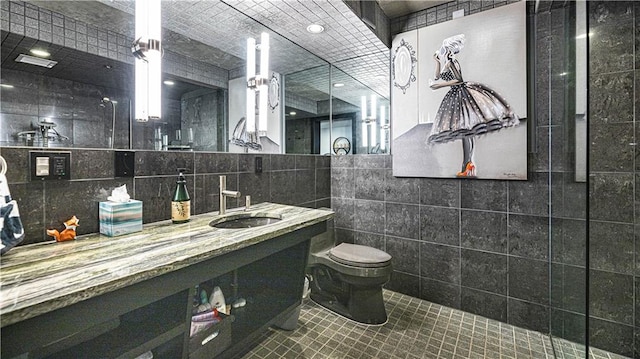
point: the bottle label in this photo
(180, 211)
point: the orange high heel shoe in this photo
(469, 171)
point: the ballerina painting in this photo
(465, 115)
(469, 109)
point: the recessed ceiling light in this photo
(292, 113)
(338, 84)
(169, 82)
(315, 28)
(6, 86)
(39, 52)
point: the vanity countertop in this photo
(39, 278)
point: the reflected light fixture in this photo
(383, 128)
(40, 53)
(368, 115)
(338, 84)
(148, 66)
(38, 61)
(257, 84)
(169, 82)
(6, 86)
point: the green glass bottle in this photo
(181, 202)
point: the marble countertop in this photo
(38, 278)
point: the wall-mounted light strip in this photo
(257, 83)
(148, 63)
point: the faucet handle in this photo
(247, 203)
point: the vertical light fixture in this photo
(257, 83)
(372, 120)
(363, 114)
(383, 130)
(148, 62)
(368, 114)
(251, 94)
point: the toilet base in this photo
(363, 304)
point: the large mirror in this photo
(85, 99)
(360, 111)
(339, 122)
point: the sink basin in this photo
(245, 220)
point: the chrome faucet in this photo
(224, 193)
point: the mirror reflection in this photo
(360, 116)
(83, 96)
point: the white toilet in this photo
(348, 278)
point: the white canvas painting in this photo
(471, 100)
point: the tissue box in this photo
(117, 218)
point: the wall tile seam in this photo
(387, 235)
(567, 264)
(506, 296)
(618, 72)
(548, 306)
(482, 210)
(507, 255)
(356, 231)
(600, 221)
(591, 316)
(632, 273)
(567, 310)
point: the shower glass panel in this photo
(560, 72)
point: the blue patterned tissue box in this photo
(117, 218)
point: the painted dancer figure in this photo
(469, 109)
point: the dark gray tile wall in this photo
(479, 246)
(302, 180)
(516, 251)
(614, 214)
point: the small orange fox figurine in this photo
(68, 234)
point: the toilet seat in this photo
(359, 256)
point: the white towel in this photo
(11, 229)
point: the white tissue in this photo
(119, 194)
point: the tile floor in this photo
(415, 329)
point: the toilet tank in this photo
(323, 241)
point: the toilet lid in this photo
(359, 256)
